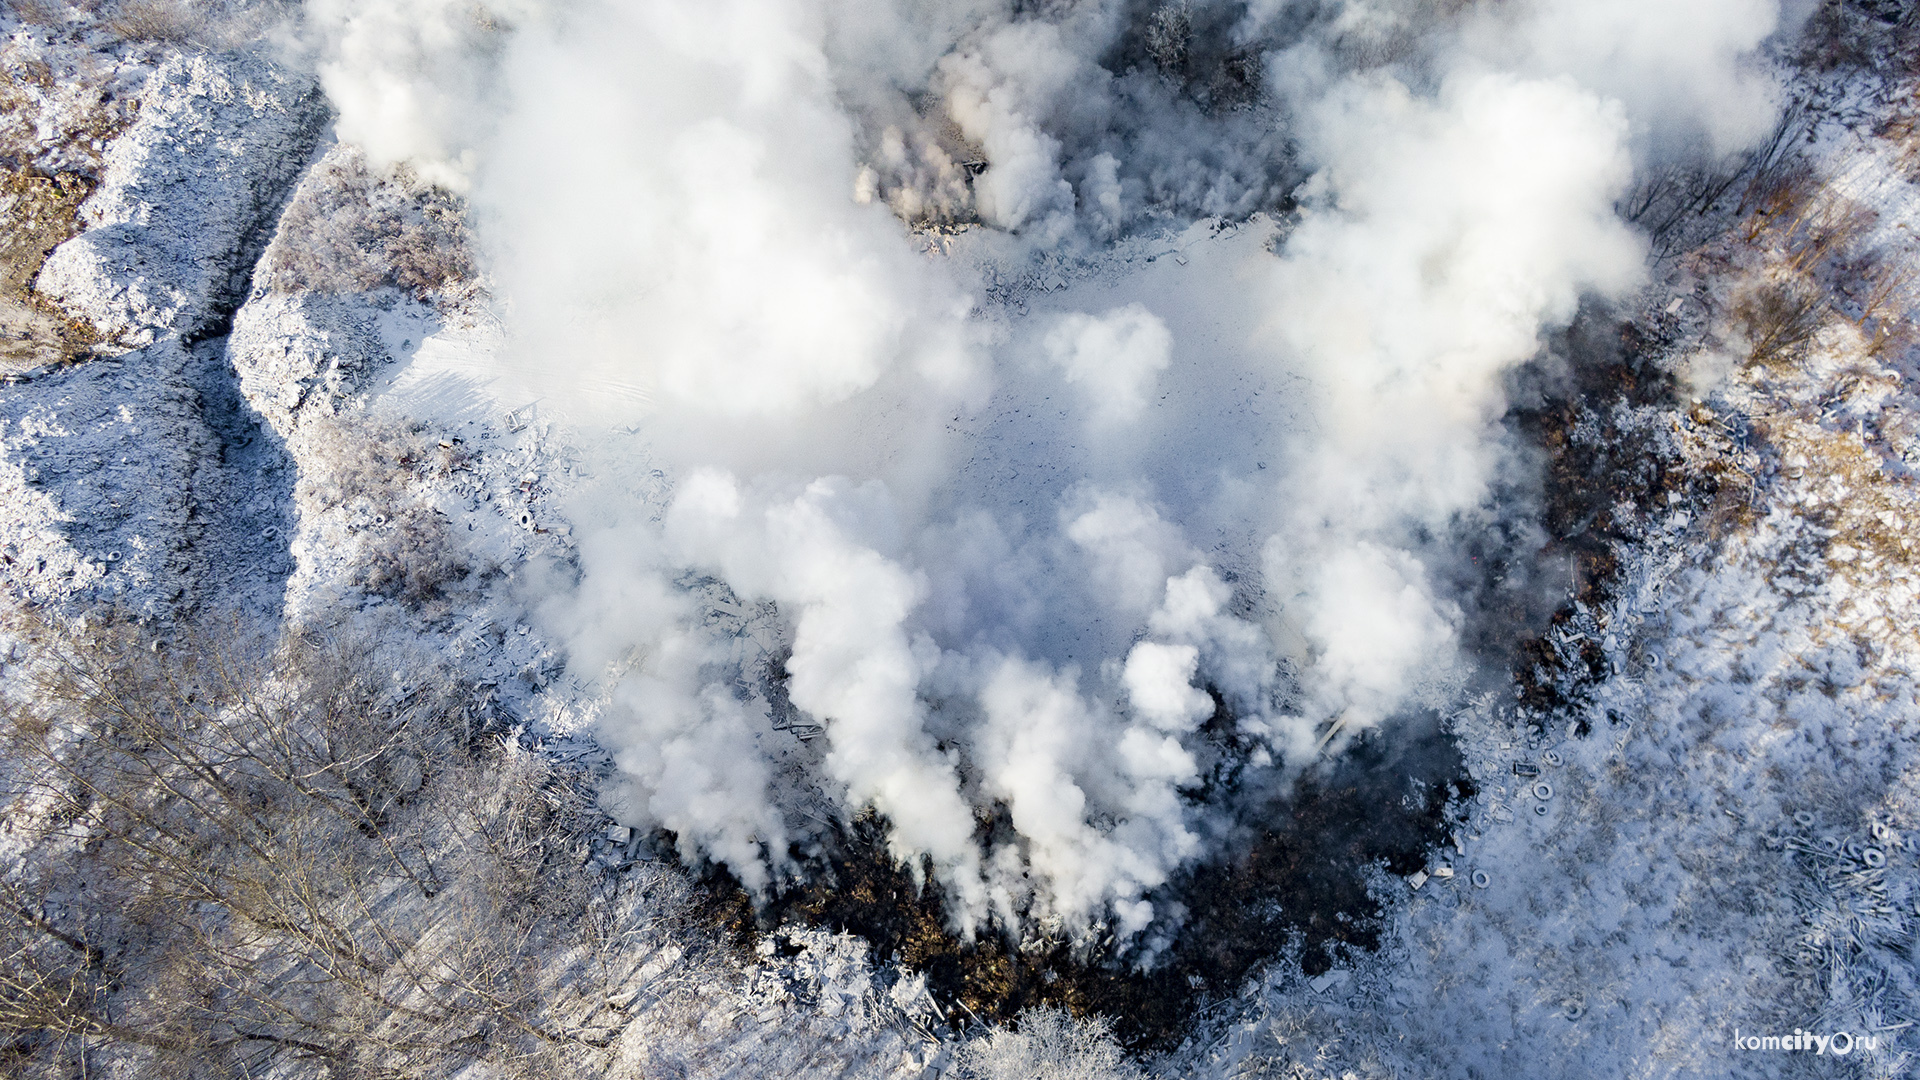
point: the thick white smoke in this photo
(1144, 479)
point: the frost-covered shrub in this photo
(170, 21)
(1048, 1045)
(350, 230)
(367, 475)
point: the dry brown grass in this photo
(37, 213)
(40, 12)
(172, 22)
(1801, 224)
(1818, 254)
(91, 114)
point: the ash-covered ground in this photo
(1206, 539)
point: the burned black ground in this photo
(1602, 477)
(1298, 882)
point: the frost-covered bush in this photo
(368, 474)
(1048, 1044)
(171, 21)
(351, 230)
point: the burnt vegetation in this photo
(1603, 474)
(1296, 884)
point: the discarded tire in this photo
(1481, 880)
(1804, 819)
(1543, 791)
(1873, 857)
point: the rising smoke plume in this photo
(1073, 379)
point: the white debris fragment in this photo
(1335, 977)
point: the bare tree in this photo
(283, 857)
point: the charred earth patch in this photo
(1296, 886)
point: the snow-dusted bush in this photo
(366, 472)
(170, 21)
(1048, 1044)
(351, 230)
(1779, 317)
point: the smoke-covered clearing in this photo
(1063, 375)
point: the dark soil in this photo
(1298, 881)
(1594, 468)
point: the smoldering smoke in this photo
(1069, 377)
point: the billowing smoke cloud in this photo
(1085, 393)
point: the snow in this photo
(186, 197)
